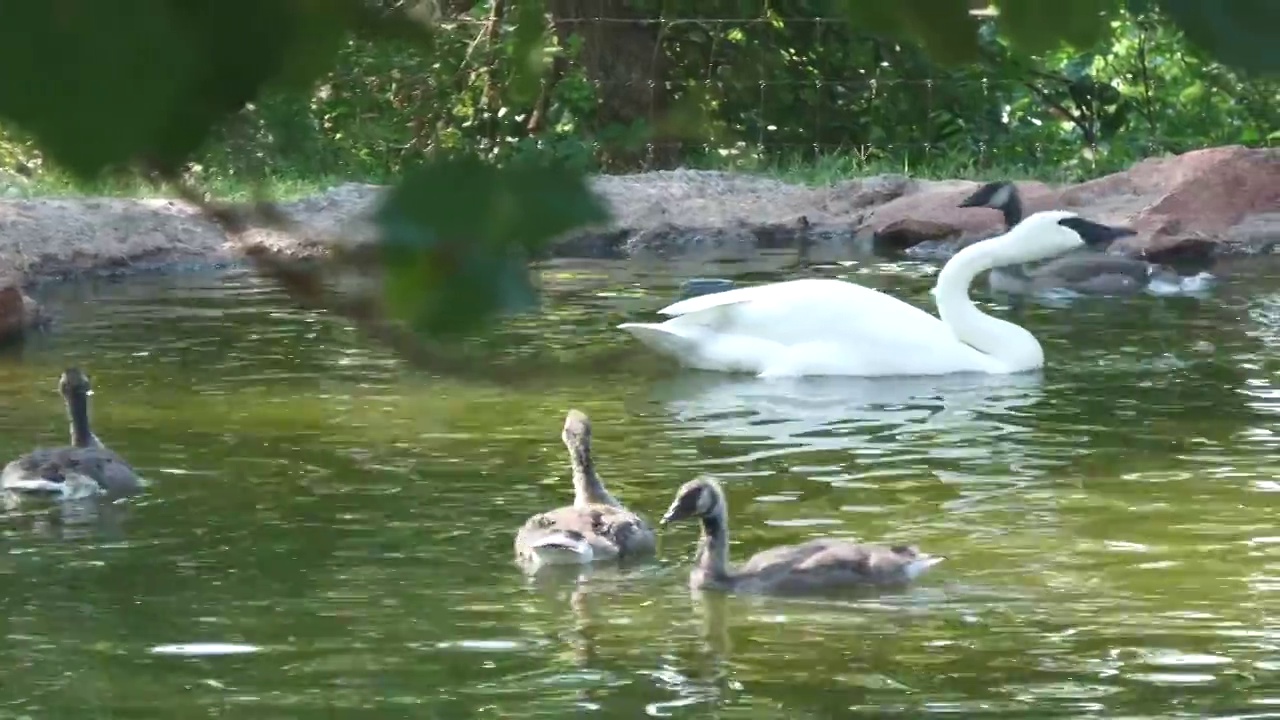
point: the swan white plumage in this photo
(820, 326)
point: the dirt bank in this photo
(1226, 199)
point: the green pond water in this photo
(1110, 524)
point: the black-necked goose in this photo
(1086, 272)
(85, 468)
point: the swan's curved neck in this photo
(1009, 345)
(588, 488)
(78, 411)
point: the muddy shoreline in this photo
(1225, 199)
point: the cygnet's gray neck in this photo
(588, 488)
(713, 546)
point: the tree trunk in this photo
(622, 55)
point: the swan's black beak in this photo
(1095, 235)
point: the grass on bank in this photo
(828, 169)
(809, 169)
(282, 187)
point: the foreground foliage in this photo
(541, 91)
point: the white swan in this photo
(819, 326)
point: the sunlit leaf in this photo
(1192, 92)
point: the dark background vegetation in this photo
(629, 85)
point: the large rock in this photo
(1226, 199)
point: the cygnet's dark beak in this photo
(1095, 235)
(672, 514)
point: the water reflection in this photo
(75, 519)
(1109, 527)
(975, 434)
(860, 416)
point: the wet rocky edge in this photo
(1198, 205)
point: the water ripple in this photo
(1108, 523)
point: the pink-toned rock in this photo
(1200, 195)
(936, 205)
(906, 232)
(1189, 203)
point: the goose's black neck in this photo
(78, 411)
(1012, 209)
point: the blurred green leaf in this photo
(874, 18)
(104, 84)
(1240, 33)
(689, 118)
(457, 235)
(1034, 27)
(945, 27)
(317, 36)
(66, 62)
